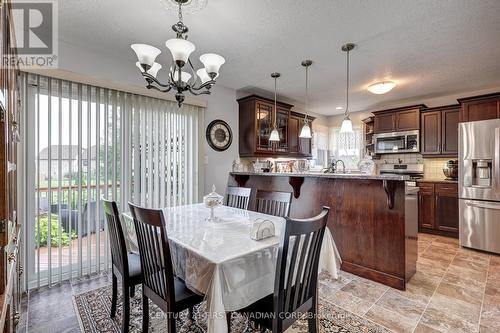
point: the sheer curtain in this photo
(347, 146)
(82, 143)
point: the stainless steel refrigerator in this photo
(479, 184)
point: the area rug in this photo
(93, 308)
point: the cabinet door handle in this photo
(496, 162)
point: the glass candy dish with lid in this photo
(212, 200)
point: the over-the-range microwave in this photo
(397, 142)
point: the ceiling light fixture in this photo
(196, 82)
(380, 88)
(190, 6)
(306, 129)
(347, 123)
(275, 135)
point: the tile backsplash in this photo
(400, 158)
(433, 167)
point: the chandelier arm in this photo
(194, 92)
(155, 80)
(150, 86)
(206, 85)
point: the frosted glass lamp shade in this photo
(305, 133)
(212, 62)
(275, 136)
(181, 49)
(380, 88)
(146, 54)
(185, 76)
(203, 75)
(346, 125)
(153, 71)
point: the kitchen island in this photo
(367, 218)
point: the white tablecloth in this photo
(221, 261)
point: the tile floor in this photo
(454, 290)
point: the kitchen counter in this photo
(437, 180)
(325, 175)
(367, 218)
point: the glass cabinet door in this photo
(282, 124)
(264, 118)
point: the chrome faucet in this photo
(343, 165)
(333, 166)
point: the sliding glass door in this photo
(83, 143)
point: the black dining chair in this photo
(159, 285)
(238, 197)
(273, 203)
(295, 288)
(126, 266)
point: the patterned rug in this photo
(93, 308)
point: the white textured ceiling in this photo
(429, 47)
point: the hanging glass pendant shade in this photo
(346, 125)
(275, 135)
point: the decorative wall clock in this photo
(219, 135)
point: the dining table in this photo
(220, 260)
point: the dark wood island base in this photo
(367, 219)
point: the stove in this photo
(414, 171)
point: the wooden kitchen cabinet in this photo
(439, 131)
(398, 120)
(385, 123)
(256, 115)
(447, 208)
(438, 208)
(480, 107)
(431, 133)
(426, 206)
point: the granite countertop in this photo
(325, 175)
(437, 180)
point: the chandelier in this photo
(182, 76)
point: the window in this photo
(347, 146)
(84, 143)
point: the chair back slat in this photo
(116, 237)
(297, 265)
(238, 197)
(157, 271)
(273, 203)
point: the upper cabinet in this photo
(397, 120)
(439, 131)
(256, 117)
(480, 107)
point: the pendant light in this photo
(347, 123)
(275, 136)
(306, 129)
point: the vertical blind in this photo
(84, 143)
